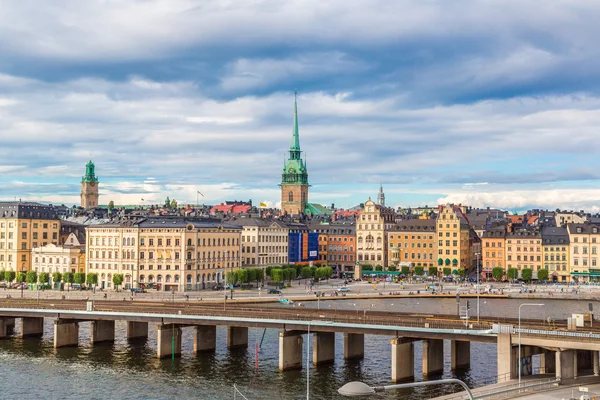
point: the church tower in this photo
(294, 179)
(89, 187)
(381, 196)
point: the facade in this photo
(566, 217)
(452, 231)
(303, 247)
(371, 239)
(413, 241)
(555, 251)
(493, 250)
(524, 250)
(50, 258)
(337, 245)
(24, 226)
(294, 179)
(583, 255)
(264, 242)
(168, 253)
(89, 187)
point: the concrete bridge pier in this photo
(66, 333)
(354, 346)
(165, 345)
(323, 346)
(460, 354)
(565, 364)
(102, 331)
(205, 338)
(32, 327)
(403, 359)
(433, 356)
(595, 361)
(584, 360)
(137, 329)
(290, 350)
(237, 337)
(10, 323)
(507, 363)
(3, 328)
(547, 362)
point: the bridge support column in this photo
(32, 327)
(547, 362)
(507, 363)
(102, 331)
(237, 337)
(205, 338)
(137, 329)
(460, 354)
(3, 328)
(168, 341)
(323, 345)
(10, 323)
(354, 346)
(584, 359)
(596, 363)
(66, 333)
(565, 361)
(290, 350)
(433, 356)
(403, 359)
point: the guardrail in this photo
(569, 334)
(507, 391)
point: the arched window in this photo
(291, 196)
(189, 242)
(189, 279)
(159, 278)
(168, 278)
(142, 278)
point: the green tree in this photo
(111, 205)
(2, 275)
(405, 270)
(21, 276)
(173, 204)
(167, 202)
(251, 274)
(512, 273)
(242, 275)
(419, 270)
(433, 271)
(259, 275)
(277, 275)
(526, 274)
(542, 275)
(117, 280)
(306, 272)
(447, 271)
(497, 273)
(79, 278)
(378, 268)
(32, 277)
(44, 277)
(367, 267)
(92, 279)
(9, 276)
(69, 277)
(57, 277)
(392, 268)
(461, 272)
(231, 277)
(268, 271)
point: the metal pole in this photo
(478, 254)
(308, 363)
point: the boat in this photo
(286, 301)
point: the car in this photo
(19, 286)
(343, 289)
(274, 291)
(76, 286)
(137, 290)
(217, 287)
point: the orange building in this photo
(413, 241)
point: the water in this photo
(32, 368)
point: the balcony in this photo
(191, 247)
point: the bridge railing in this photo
(509, 390)
(560, 334)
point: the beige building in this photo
(23, 226)
(264, 242)
(371, 239)
(555, 251)
(169, 253)
(452, 231)
(524, 250)
(583, 254)
(493, 250)
(569, 217)
(413, 241)
(69, 257)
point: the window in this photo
(291, 196)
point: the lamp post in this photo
(22, 278)
(524, 304)
(477, 287)
(353, 389)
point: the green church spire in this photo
(294, 170)
(90, 174)
(295, 146)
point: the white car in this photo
(343, 289)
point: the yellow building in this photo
(555, 252)
(493, 250)
(169, 253)
(23, 226)
(584, 257)
(413, 241)
(452, 232)
(524, 250)
(371, 227)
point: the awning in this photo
(580, 273)
(454, 261)
(447, 261)
(382, 273)
(440, 261)
(454, 272)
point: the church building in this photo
(89, 187)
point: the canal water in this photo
(32, 368)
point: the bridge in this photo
(562, 352)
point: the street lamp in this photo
(22, 278)
(353, 389)
(477, 287)
(524, 304)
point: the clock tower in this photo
(294, 179)
(89, 187)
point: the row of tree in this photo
(417, 271)
(32, 277)
(513, 273)
(246, 275)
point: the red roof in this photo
(231, 208)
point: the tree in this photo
(79, 278)
(306, 272)
(117, 280)
(419, 270)
(92, 279)
(378, 268)
(367, 267)
(251, 274)
(259, 275)
(268, 271)
(392, 268)
(173, 204)
(111, 205)
(526, 274)
(497, 273)
(21, 277)
(44, 277)
(242, 275)
(231, 277)
(405, 270)
(461, 272)
(433, 271)
(542, 275)
(57, 277)
(2, 275)
(512, 273)
(9, 276)
(32, 277)
(447, 271)
(68, 277)
(167, 202)
(277, 275)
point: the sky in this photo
(486, 103)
